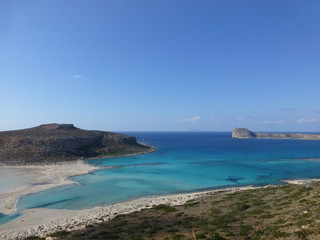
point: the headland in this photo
(54, 143)
(56, 152)
(246, 133)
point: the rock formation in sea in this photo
(242, 133)
(50, 143)
(246, 133)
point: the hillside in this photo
(50, 143)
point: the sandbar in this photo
(48, 176)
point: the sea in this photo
(183, 162)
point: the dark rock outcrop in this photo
(245, 133)
(52, 143)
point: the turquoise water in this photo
(184, 162)
(7, 218)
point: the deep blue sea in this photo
(183, 162)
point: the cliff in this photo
(245, 133)
(52, 143)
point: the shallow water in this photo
(185, 162)
(7, 218)
(11, 179)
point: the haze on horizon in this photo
(161, 65)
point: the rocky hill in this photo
(52, 143)
(246, 133)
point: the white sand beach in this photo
(15, 178)
(44, 177)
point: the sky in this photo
(169, 65)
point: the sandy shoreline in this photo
(41, 222)
(50, 176)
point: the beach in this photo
(48, 176)
(41, 222)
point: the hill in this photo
(51, 143)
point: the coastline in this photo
(151, 150)
(51, 176)
(42, 222)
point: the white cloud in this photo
(273, 122)
(190, 120)
(77, 76)
(240, 118)
(213, 119)
(307, 120)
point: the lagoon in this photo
(184, 162)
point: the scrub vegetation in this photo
(282, 212)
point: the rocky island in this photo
(52, 143)
(246, 133)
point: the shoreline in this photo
(51, 176)
(151, 150)
(42, 221)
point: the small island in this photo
(246, 133)
(53, 143)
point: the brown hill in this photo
(52, 143)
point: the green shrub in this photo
(165, 208)
(60, 234)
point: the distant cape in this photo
(50, 143)
(246, 133)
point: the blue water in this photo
(184, 162)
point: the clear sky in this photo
(166, 65)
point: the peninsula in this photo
(246, 133)
(53, 143)
(55, 152)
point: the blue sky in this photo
(161, 65)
